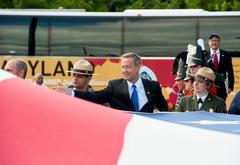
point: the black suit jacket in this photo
(117, 95)
(225, 68)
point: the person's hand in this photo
(63, 89)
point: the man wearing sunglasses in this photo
(202, 100)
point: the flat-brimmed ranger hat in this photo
(83, 67)
(206, 74)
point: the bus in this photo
(151, 33)
(51, 40)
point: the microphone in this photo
(211, 58)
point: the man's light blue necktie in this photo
(134, 98)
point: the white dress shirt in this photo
(203, 99)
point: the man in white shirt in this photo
(131, 93)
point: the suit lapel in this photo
(205, 105)
(194, 103)
(221, 63)
(124, 86)
(210, 61)
(208, 56)
(147, 89)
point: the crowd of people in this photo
(201, 77)
(205, 78)
(131, 93)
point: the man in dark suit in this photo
(202, 99)
(220, 62)
(131, 93)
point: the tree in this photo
(121, 5)
(88, 5)
(6, 4)
(41, 4)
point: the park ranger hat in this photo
(206, 74)
(83, 67)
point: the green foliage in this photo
(121, 5)
(6, 4)
(89, 5)
(236, 6)
(41, 4)
(117, 5)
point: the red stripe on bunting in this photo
(42, 127)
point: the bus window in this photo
(159, 36)
(14, 35)
(226, 28)
(81, 36)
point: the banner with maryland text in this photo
(54, 70)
